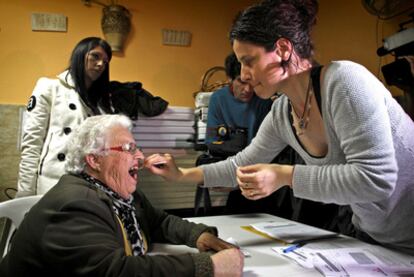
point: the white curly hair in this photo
(90, 138)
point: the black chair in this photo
(202, 195)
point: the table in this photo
(264, 261)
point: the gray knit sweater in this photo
(370, 161)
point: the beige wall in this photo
(344, 31)
(173, 73)
(9, 148)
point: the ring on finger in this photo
(246, 185)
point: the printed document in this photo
(288, 231)
(348, 262)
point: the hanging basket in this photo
(206, 85)
(116, 25)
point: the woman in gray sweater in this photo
(356, 140)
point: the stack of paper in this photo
(172, 129)
(339, 260)
(202, 101)
(348, 262)
(289, 231)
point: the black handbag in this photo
(232, 142)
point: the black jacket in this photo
(131, 98)
(73, 231)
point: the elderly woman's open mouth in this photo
(133, 171)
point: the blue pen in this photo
(292, 248)
(301, 242)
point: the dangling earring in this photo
(285, 63)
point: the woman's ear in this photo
(283, 48)
(92, 161)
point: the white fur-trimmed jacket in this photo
(53, 111)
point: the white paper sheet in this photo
(234, 242)
(289, 231)
(301, 256)
(349, 262)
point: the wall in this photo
(9, 148)
(345, 30)
(173, 73)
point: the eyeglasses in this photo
(132, 149)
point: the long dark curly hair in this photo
(264, 23)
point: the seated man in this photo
(95, 222)
(236, 105)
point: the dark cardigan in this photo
(72, 231)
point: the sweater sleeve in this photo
(357, 119)
(34, 134)
(164, 227)
(99, 251)
(266, 145)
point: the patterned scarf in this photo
(125, 210)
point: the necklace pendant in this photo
(302, 124)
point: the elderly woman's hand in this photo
(207, 241)
(163, 165)
(261, 180)
(228, 263)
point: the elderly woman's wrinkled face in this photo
(119, 168)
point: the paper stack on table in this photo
(290, 232)
(348, 262)
(338, 262)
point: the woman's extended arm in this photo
(164, 166)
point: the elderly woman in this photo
(95, 223)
